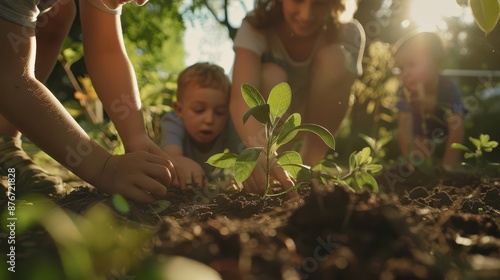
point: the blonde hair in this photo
(202, 74)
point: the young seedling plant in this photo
(359, 176)
(481, 145)
(277, 133)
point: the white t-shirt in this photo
(26, 12)
(267, 45)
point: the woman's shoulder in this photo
(250, 37)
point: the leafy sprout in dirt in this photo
(377, 146)
(277, 133)
(482, 145)
(359, 176)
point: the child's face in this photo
(204, 112)
(418, 69)
(305, 17)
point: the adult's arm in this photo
(112, 73)
(405, 132)
(114, 79)
(456, 135)
(30, 106)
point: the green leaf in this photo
(484, 138)
(475, 142)
(486, 13)
(370, 181)
(304, 175)
(245, 163)
(286, 134)
(291, 161)
(458, 146)
(325, 166)
(223, 160)
(492, 144)
(469, 155)
(259, 112)
(384, 141)
(352, 162)
(120, 203)
(358, 179)
(324, 134)
(364, 156)
(279, 100)
(160, 205)
(373, 168)
(370, 141)
(252, 96)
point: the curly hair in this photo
(270, 12)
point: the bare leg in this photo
(328, 99)
(272, 74)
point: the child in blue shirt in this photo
(430, 106)
(199, 126)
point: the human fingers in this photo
(198, 179)
(157, 168)
(250, 184)
(168, 163)
(255, 183)
(173, 167)
(136, 194)
(152, 186)
(285, 180)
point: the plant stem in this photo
(268, 159)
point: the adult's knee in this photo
(272, 74)
(332, 63)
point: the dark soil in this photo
(448, 229)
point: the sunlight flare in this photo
(428, 15)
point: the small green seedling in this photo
(277, 133)
(361, 168)
(377, 146)
(482, 145)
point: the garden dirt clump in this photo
(327, 232)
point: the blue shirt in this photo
(448, 101)
(173, 132)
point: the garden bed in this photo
(447, 229)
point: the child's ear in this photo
(178, 109)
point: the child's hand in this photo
(138, 176)
(191, 171)
(147, 145)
